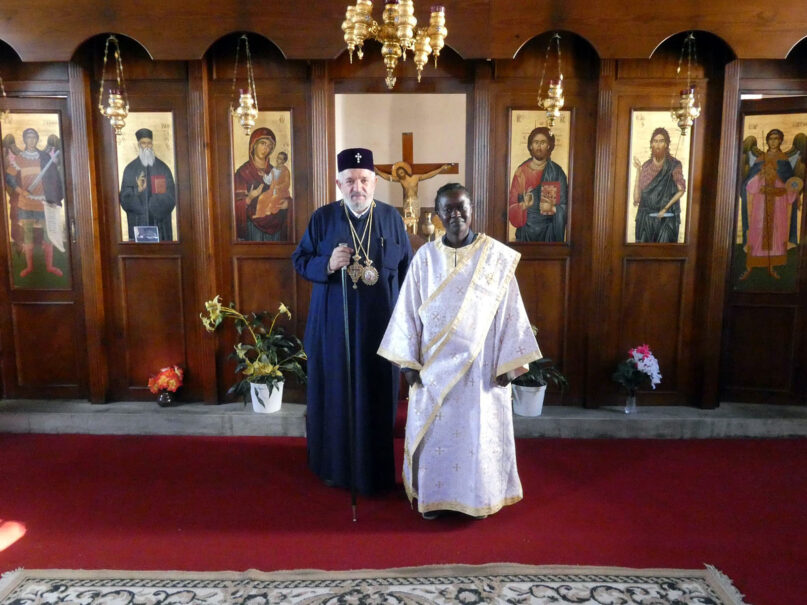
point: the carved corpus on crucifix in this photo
(409, 175)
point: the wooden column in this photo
(87, 231)
(602, 242)
(720, 252)
(481, 166)
(203, 213)
(322, 176)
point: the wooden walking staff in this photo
(351, 428)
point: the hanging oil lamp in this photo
(116, 109)
(247, 109)
(688, 107)
(554, 100)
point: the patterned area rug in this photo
(455, 584)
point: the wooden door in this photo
(41, 310)
(764, 341)
(153, 313)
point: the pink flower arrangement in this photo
(167, 379)
(640, 365)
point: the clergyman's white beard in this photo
(359, 205)
(147, 157)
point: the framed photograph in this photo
(33, 166)
(539, 161)
(658, 172)
(146, 235)
(263, 180)
(770, 202)
(148, 193)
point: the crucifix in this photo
(409, 174)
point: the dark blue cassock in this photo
(374, 379)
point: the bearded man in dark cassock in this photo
(368, 238)
(148, 193)
(258, 217)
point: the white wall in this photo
(376, 121)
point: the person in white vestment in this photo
(460, 333)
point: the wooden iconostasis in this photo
(102, 307)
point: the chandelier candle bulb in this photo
(347, 27)
(406, 23)
(437, 30)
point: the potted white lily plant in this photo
(266, 359)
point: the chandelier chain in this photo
(250, 73)
(235, 73)
(689, 48)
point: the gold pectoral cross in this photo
(355, 271)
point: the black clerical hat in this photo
(356, 157)
(144, 133)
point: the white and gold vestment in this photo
(461, 322)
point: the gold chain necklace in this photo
(367, 273)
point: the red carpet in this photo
(219, 503)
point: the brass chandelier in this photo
(689, 108)
(554, 99)
(397, 33)
(117, 106)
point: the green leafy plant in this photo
(541, 373)
(272, 353)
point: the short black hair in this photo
(445, 190)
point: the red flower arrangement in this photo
(167, 379)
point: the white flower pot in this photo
(262, 401)
(528, 401)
